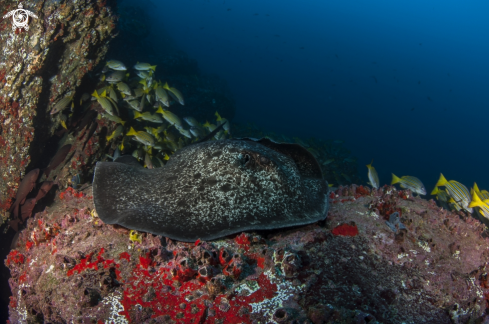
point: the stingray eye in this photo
(245, 159)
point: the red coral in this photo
(243, 239)
(15, 257)
(345, 230)
(125, 255)
(86, 263)
(70, 192)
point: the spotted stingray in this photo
(213, 189)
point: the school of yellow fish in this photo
(152, 133)
(449, 193)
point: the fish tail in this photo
(370, 165)
(435, 191)
(152, 67)
(131, 132)
(123, 122)
(395, 179)
(160, 110)
(137, 115)
(166, 86)
(442, 181)
(476, 201)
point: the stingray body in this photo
(212, 189)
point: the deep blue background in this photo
(309, 68)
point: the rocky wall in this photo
(38, 67)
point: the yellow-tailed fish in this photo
(482, 204)
(116, 65)
(144, 66)
(148, 116)
(124, 88)
(224, 121)
(457, 191)
(115, 76)
(177, 94)
(115, 133)
(197, 131)
(144, 74)
(134, 104)
(373, 176)
(138, 92)
(147, 161)
(328, 161)
(162, 96)
(191, 121)
(116, 119)
(104, 102)
(62, 104)
(170, 117)
(209, 126)
(411, 183)
(441, 194)
(477, 201)
(485, 194)
(183, 131)
(141, 136)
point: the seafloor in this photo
(67, 266)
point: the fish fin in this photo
(152, 67)
(476, 188)
(160, 110)
(165, 86)
(104, 94)
(442, 181)
(95, 94)
(370, 165)
(395, 179)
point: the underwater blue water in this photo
(402, 82)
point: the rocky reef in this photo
(38, 67)
(358, 266)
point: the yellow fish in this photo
(176, 94)
(373, 176)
